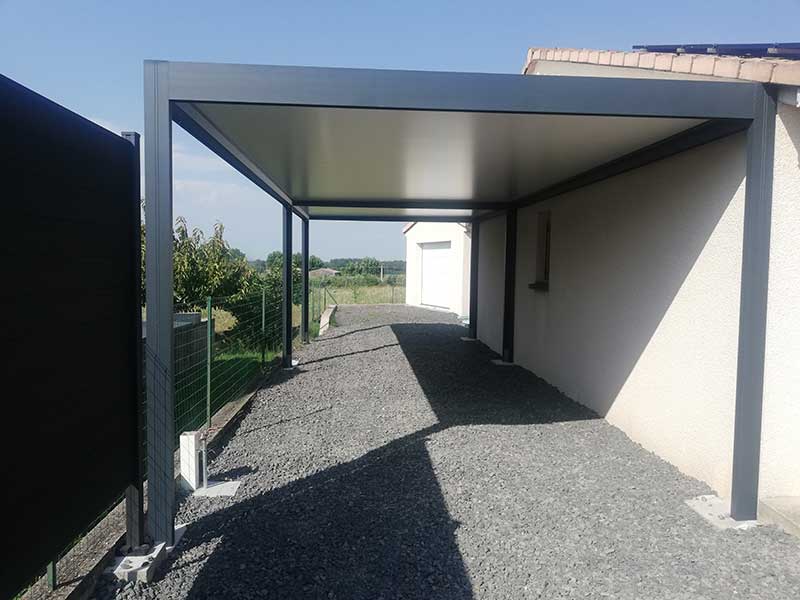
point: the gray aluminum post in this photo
(287, 287)
(304, 307)
(134, 492)
(753, 306)
(474, 254)
(510, 285)
(159, 277)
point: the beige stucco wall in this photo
(459, 237)
(491, 277)
(780, 439)
(641, 319)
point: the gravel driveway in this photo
(398, 462)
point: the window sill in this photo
(539, 286)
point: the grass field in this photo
(373, 294)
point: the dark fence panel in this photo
(69, 296)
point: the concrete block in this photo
(682, 63)
(703, 64)
(647, 60)
(141, 564)
(786, 72)
(727, 66)
(631, 59)
(755, 69)
(663, 61)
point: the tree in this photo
(364, 266)
(276, 258)
(208, 267)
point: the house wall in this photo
(780, 438)
(491, 277)
(457, 235)
(641, 319)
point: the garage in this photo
(435, 274)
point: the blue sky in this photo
(88, 56)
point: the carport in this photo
(351, 144)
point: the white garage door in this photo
(436, 266)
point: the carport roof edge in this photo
(188, 85)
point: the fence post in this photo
(263, 327)
(52, 577)
(209, 358)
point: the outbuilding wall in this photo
(458, 236)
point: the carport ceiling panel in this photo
(328, 154)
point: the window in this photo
(542, 282)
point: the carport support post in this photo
(159, 276)
(753, 307)
(510, 287)
(134, 492)
(287, 288)
(474, 254)
(304, 307)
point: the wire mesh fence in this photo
(221, 351)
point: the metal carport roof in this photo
(365, 144)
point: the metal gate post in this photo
(753, 306)
(263, 327)
(209, 358)
(134, 492)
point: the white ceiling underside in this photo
(331, 155)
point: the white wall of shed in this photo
(429, 232)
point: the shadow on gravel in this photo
(355, 352)
(378, 526)
(328, 338)
(463, 387)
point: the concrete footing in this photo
(218, 489)
(142, 562)
(501, 363)
(717, 512)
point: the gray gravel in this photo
(398, 462)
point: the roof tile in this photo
(766, 70)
